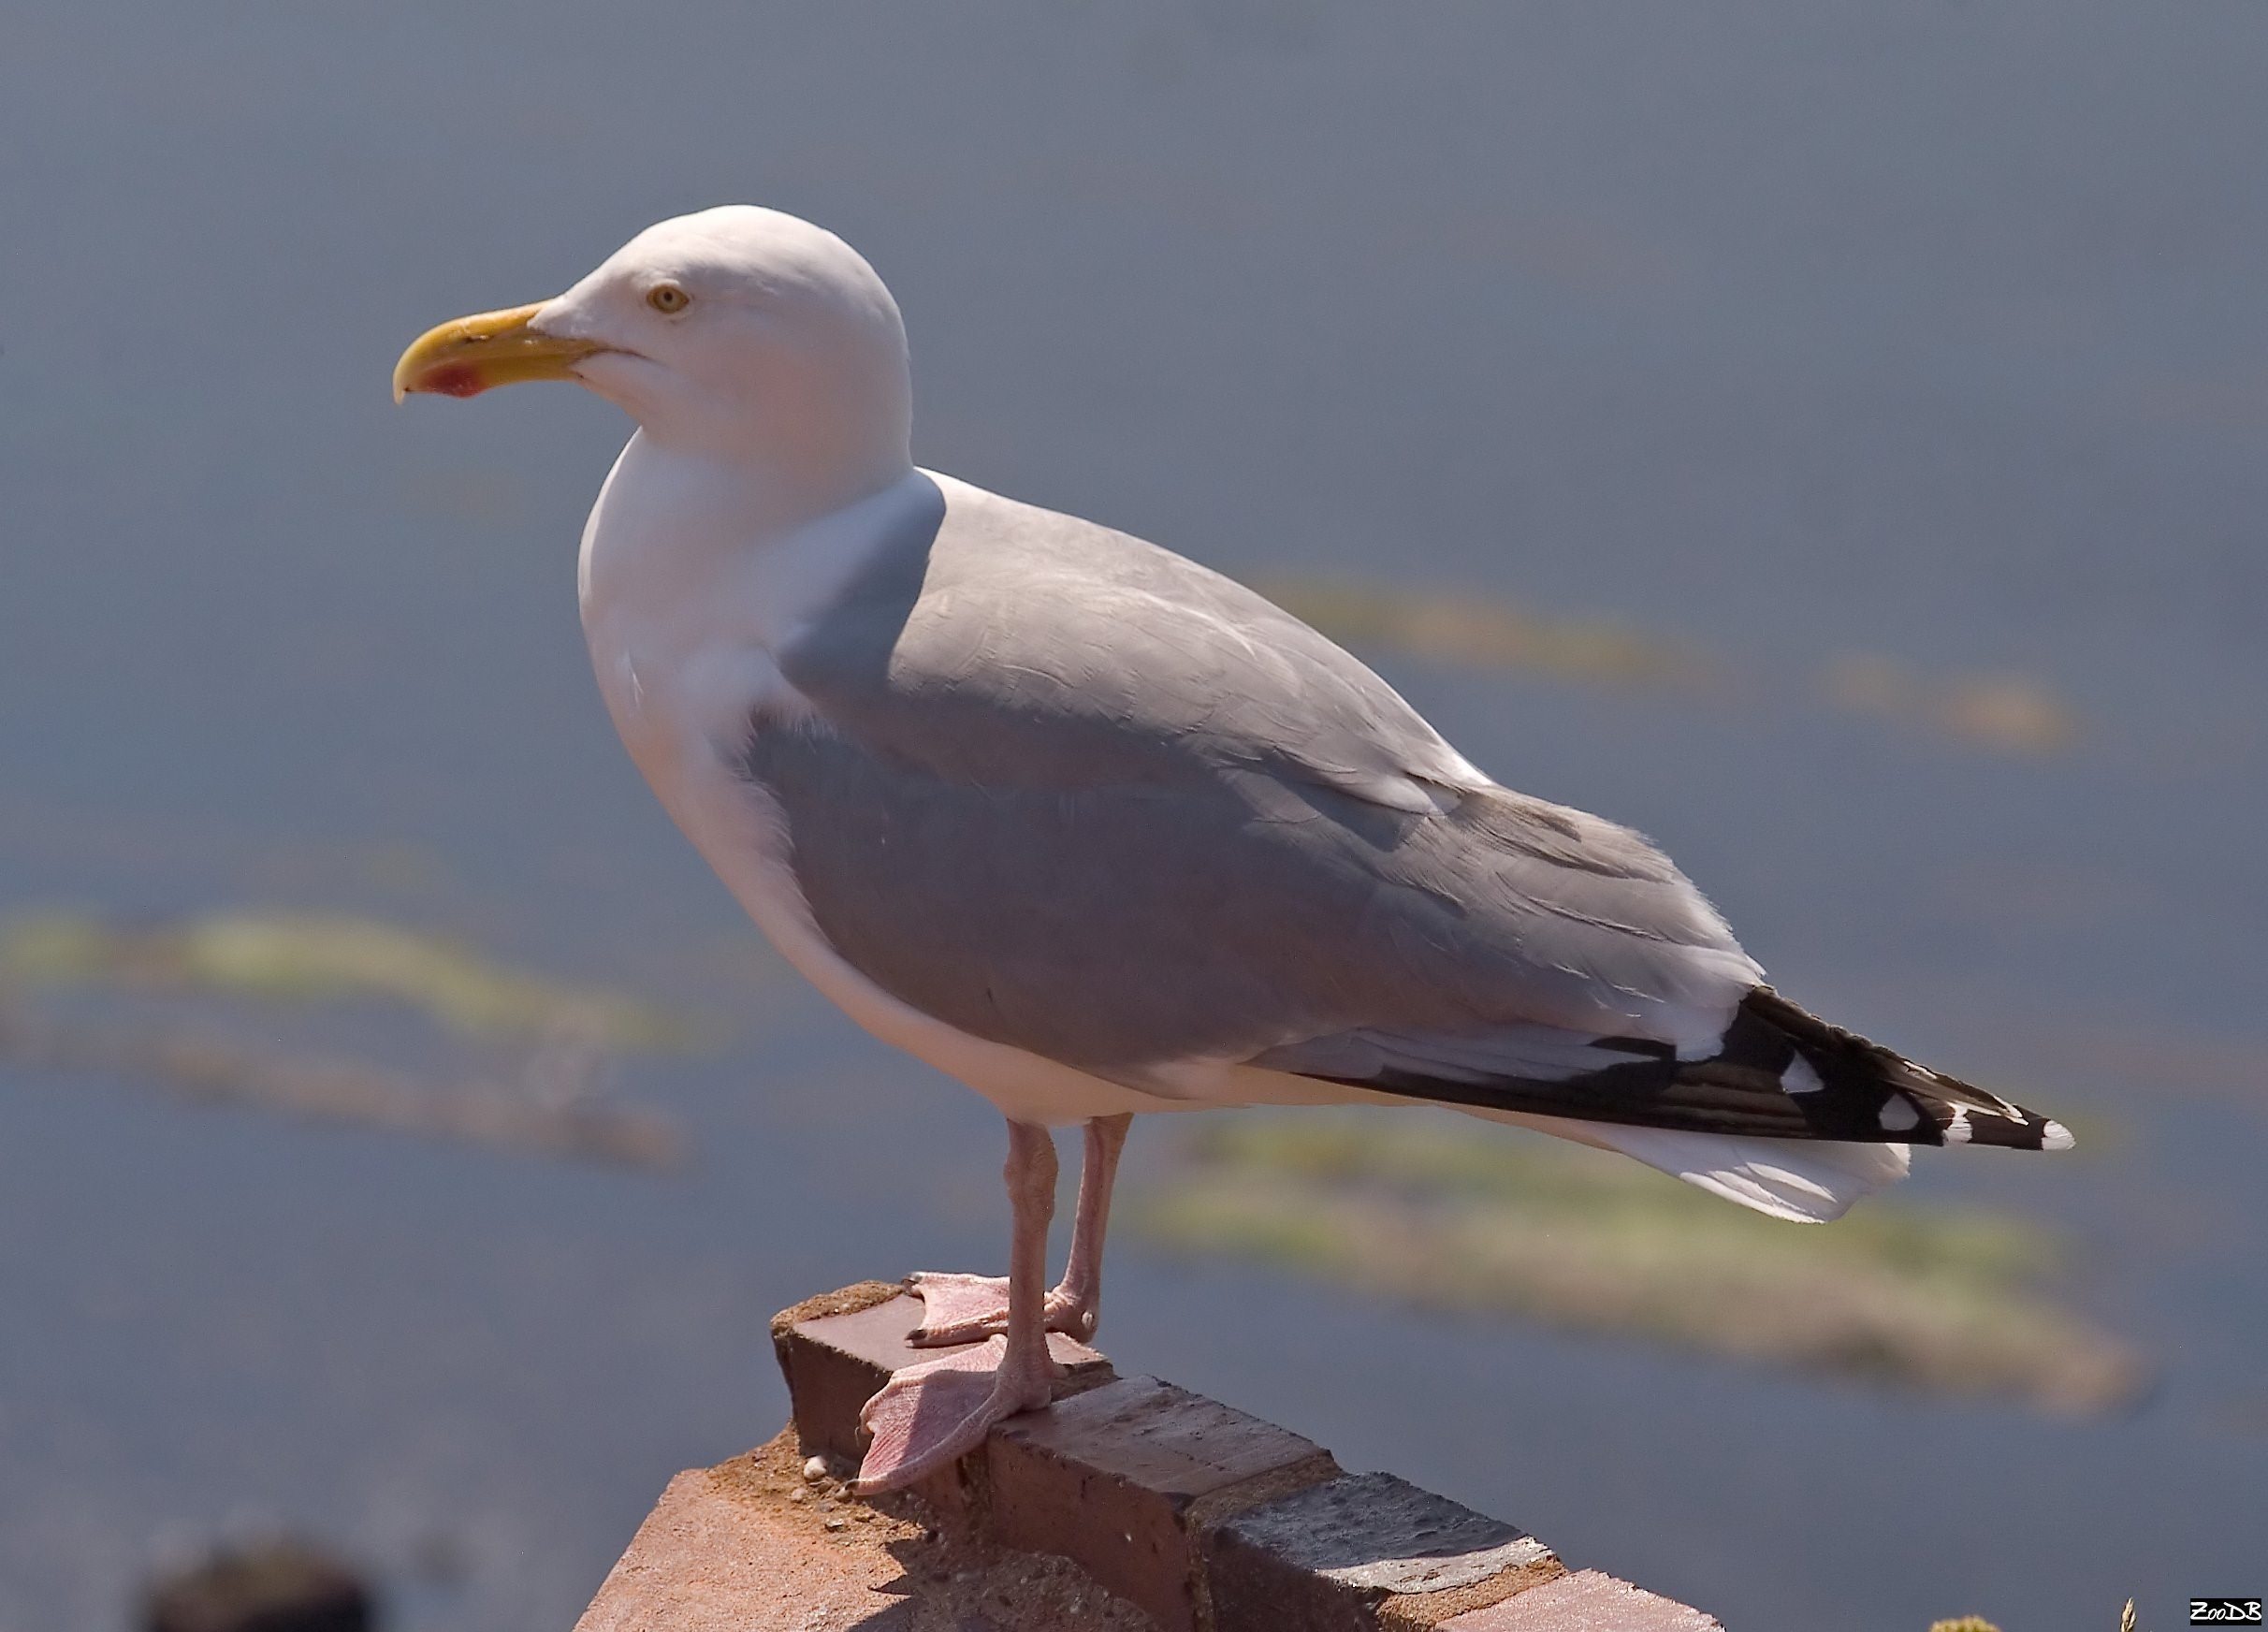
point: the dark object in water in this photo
(269, 1586)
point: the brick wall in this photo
(1129, 1503)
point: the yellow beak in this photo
(464, 357)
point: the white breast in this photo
(683, 609)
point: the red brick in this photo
(1586, 1601)
(837, 1352)
(1122, 1478)
(752, 1546)
(1364, 1551)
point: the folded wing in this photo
(1070, 792)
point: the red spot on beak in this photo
(454, 380)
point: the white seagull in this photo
(1097, 831)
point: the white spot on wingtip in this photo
(1799, 1078)
(1957, 1130)
(2056, 1136)
(1898, 1114)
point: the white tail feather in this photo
(1802, 1181)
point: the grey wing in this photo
(1073, 793)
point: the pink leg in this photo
(1076, 1305)
(928, 1416)
(961, 1308)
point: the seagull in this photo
(1098, 832)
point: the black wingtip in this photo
(1861, 1081)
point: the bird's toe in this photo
(929, 1416)
(958, 1308)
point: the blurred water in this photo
(1785, 331)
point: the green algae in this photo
(328, 958)
(1456, 1217)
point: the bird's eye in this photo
(667, 298)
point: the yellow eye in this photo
(667, 298)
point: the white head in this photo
(736, 333)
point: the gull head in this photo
(736, 331)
